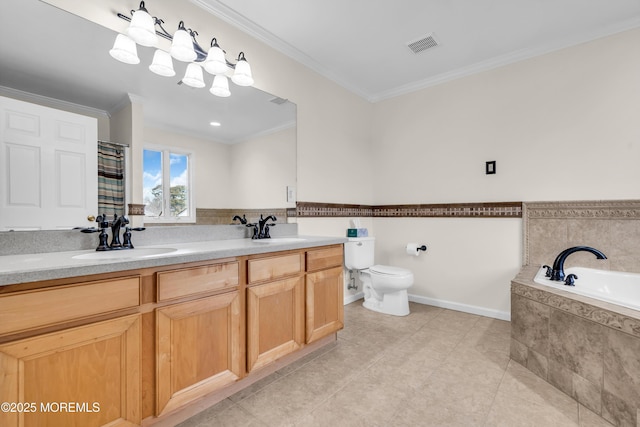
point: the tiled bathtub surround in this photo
(462, 210)
(612, 226)
(586, 348)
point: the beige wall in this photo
(562, 126)
(261, 169)
(211, 165)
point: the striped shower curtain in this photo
(110, 179)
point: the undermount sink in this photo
(280, 240)
(126, 254)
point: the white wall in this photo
(261, 169)
(563, 126)
(211, 165)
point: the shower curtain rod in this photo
(121, 144)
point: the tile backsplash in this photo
(612, 226)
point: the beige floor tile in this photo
(511, 410)
(453, 321)
(227, 416)
(526, 386)
(589, 418)
(434, 367)
(424, 412)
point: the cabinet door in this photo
(325, 303)
(198, 349)
(84, 376)
(275, 321)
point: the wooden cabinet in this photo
(325, 312)
(142, 345)
(198, 349)
(83, 376)
(275, 321)
(324, 292)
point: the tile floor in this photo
(435, 367)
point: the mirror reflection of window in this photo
(167, 185)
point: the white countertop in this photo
(15, 269)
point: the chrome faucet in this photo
(557, 272)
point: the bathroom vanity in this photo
(133, 342)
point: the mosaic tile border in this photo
(594, 209)
(595, 314)
(136, 209)
(318, 210)
(448, 210)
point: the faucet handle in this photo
(87, 230)
(548, 272)
(570, 280)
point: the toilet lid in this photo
(391, 271)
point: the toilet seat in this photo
(387, 270)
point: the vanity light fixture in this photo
(215, 124)
(184, 47)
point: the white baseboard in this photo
(481, 311)
(348, 299)
(465, 308)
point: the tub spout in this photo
(557, 272)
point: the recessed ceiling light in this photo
(215, 124)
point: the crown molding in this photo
(507, 59)
(237, 20)
(51, 102)
(232, 17)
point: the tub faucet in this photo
(557, 272)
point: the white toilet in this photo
(385, 288)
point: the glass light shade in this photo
(193, 76)
(162, 64)
(216, 62)
(124, 50)
(220, 86)
(182, 46)
(142, 28)
(242, 75)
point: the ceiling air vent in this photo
(277, 100)
(424, 43)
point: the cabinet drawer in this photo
(44, 307)
(318, 259)
(262, 269)
(189, 281)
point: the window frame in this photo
(166, 183)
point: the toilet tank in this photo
(358, 253)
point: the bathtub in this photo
(610, 286)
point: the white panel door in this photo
(48, 167)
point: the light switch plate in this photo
(291, 194)
(490, 167)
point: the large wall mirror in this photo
(54, 58)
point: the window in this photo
(168, 190)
